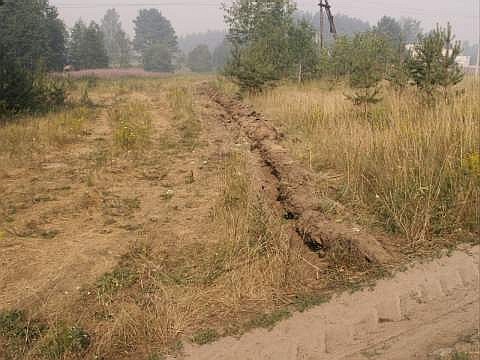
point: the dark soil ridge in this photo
(297, 191)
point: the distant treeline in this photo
(34, 37)
(266, 40)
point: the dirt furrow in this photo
(297, 190)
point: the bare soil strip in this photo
(297, 192)
(402, 318)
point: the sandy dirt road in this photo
(427, 307)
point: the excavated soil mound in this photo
(297, 188)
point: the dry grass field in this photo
(141, 217)
(413, 170)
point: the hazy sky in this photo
(189, 16)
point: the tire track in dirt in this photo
(402, 318)
(296, 188)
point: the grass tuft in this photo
(15, 326)
(205, 336)
(186, 121)
(112, 282)
(304, 302)
(62, 340)
(269, 320)
(132, 126)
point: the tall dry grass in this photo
(186, 120)
(414, 167)
(28, 137)
(132, 126)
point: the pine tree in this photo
(95, 52)
(264, 36)
(125, 49)
(153, 29)
(87, 48)
(57, 38)
(391, 29)
(76, 45)
(221, 55)
(432, 65)
(200, 59)
(367, 69)
(411, 29)
(32, 34)
(158, 57)
(117, 43)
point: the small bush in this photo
(15, 326)
(63, 340)
(24, 91)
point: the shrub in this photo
(24, 91)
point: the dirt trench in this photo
(428, 307)
(296, 188)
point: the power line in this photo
(403, 9)
(94, 6)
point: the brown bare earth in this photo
(297, 190)
(160, 214)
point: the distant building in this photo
(462, 60)
(410, 48)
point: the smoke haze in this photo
(190, 16)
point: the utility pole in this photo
(321, 23)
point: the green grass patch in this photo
(461, 356)
(303, 302)
(205, 336)
(16, 326)
(64, 340)
(110, 283)
(268, 321)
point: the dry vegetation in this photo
(130, 230)
(414, 168)
(133, 220)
